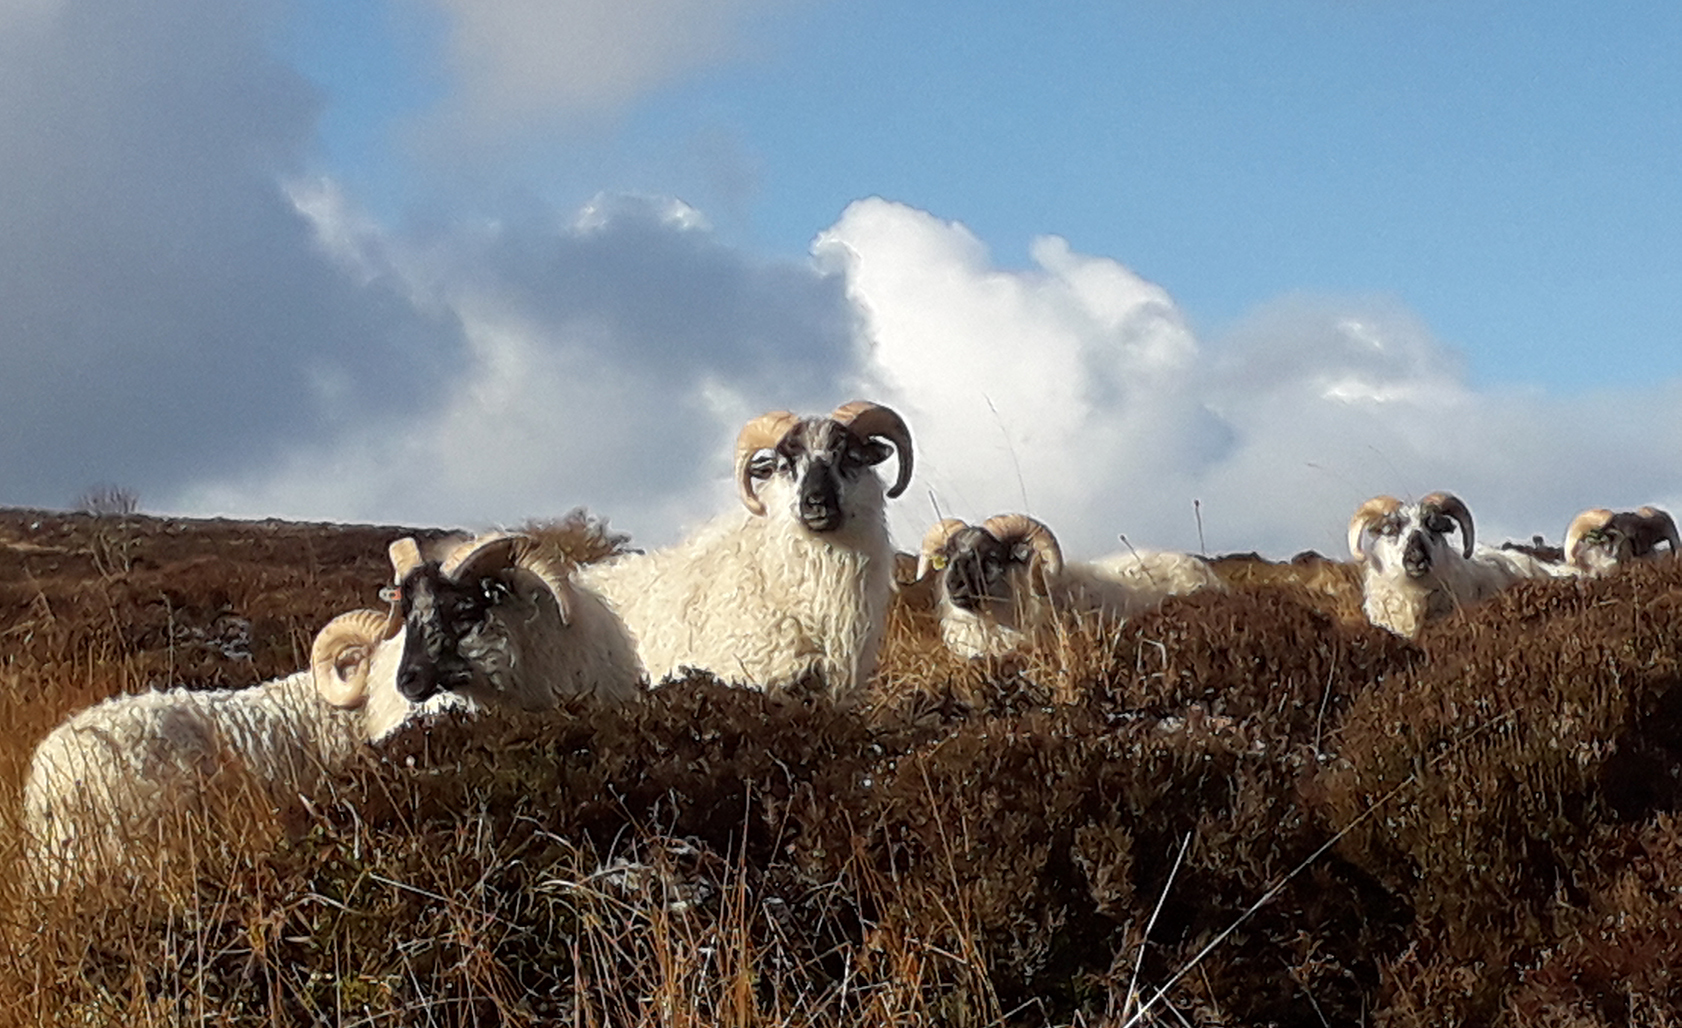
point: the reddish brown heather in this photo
(980, 843)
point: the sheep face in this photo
(821, 472)
(1599, 540)
(1412, 538)
(977, 568)
(445, 622)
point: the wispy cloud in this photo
(516, 64)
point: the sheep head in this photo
(820, 459)
(1388, 534)
(981, 565)
(1599, 540)
(456, 611)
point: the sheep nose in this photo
(415, 684)
(1416, 559)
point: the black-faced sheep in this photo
(1004, 583)
(108, 774)
(1414, 572)
(1599, 540)
(795, 585)
(501, 624)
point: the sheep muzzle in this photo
(1416, 557)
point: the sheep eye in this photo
(763, 465)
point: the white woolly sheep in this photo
(108, 774)
(797, 585)
(1004, 583)
(501, 624)
(1414, 573)
(1598, 540)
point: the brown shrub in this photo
(979, 842)
(1495, 764)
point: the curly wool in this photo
(1113, 588)
(761, 600)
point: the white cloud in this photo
(611, 357)
(516, 63)
(1076, 391)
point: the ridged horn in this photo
(934, 541)
(1450, 504)
(484, 556)
(1014, 528)
(1591, 520)
(1661, 526)
(869, 420)
(1366, 516)
(762, 433)
(341, 654)
(405, 556)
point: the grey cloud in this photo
(611, 358)
(166, 312)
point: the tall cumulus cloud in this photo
(1075, 390)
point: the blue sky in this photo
(1511, 172)
(471, 261)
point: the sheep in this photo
(502, 625)
(1598, 540)
(794, 587)
(1413, 573)
(1002, 584)
(111, 773)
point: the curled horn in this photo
(1366, 516)
(1592, 520)
(868, 420)
(1450, 504)
(1014, 528)
(341, 653)
(1660, 525)
(934, 541)
(485, 556)
(762, 433)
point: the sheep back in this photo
(109, 773)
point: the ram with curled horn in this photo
(1004, 584)
(1420, 561)
(1599, 540)
(502, 623)
(101, 783)
(794, 586)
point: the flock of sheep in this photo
(794, 588)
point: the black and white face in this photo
(443, 619)
(977, 568)
(820, 470)
(1414, 539)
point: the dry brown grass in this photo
(980, 843)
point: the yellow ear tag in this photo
(939, 562)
